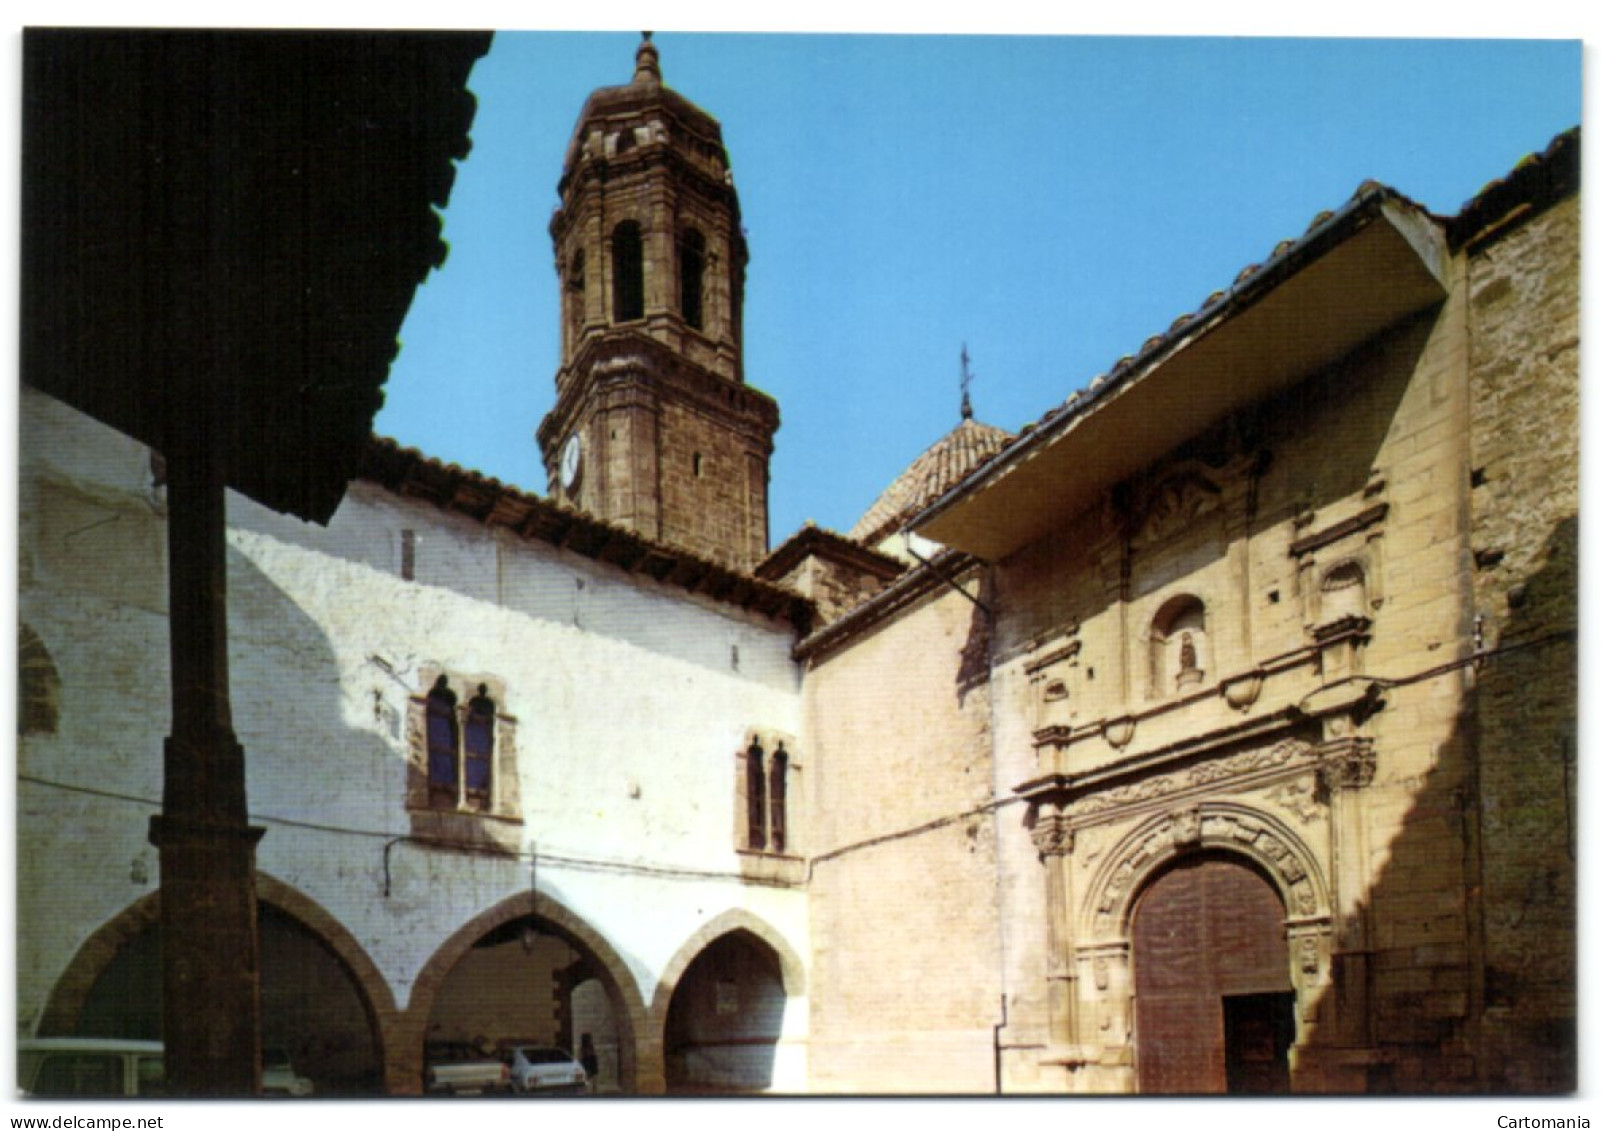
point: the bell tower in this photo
(654, 428)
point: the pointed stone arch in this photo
(748, 1042)
(641, 1069)
(791, 969)
(94, 957)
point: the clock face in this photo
(572, 456)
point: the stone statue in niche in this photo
(1189, 672)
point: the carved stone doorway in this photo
(1214, 1001)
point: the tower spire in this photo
(967, 381)
(647, 63)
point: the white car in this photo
(90, 1066)
(278, 1076)
(536, 1068)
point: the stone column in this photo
(1054, 840)
(211, 985)
(1346, 766)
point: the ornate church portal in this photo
(1214, 1003)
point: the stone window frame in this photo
(502, 799)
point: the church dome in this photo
(946, 463)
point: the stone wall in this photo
(1196, 653)
(904, 961)
(1524, 312)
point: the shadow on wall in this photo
(311, 1007)
(725, 1019)
(1482, 872)
(1361, 392)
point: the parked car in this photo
(457, 1068)
(90, 1066)
(545, 1070)
(278, 1077)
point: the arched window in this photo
(442, 744)
(628, 272)
(755, 796)
(38, 686)
(479, 746)
(778, 790)
(1179, 648)
(691, 276)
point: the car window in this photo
(547, 1056)
(79, 1074)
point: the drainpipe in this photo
(995, 1037)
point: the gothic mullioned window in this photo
(765, 798)
(443, 745)
(755, 796)
(778, 796)
(463, 755)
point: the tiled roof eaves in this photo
(1254, 282)
(811, 539)
(904, 591)
(410, 474)
(1535, 183)
(943, 464)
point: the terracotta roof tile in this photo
(946, 463)
(411, 474)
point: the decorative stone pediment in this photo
(1288, 752)
(1174, 505)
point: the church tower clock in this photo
(654, 427)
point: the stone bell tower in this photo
(654, 427)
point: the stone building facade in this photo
(1215, 733)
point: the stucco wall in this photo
(1524, 310)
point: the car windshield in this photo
(546, 1056)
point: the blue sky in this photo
(1051, 201)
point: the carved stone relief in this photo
(1204, 774)
(1177, 833)
(1174, 506)
(1052, 836)
(1298, 797)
